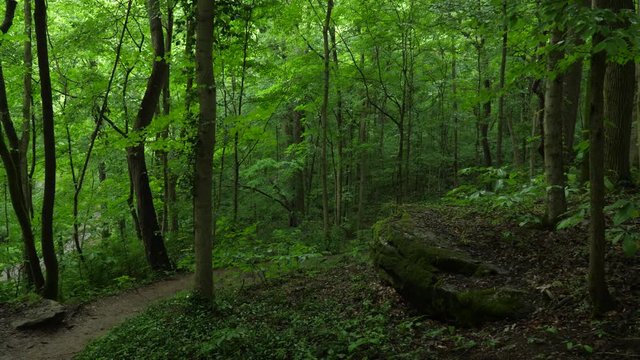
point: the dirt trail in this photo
(91, 321)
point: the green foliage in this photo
(624, 214)
(302, 318)
(282, 251)
(501, 189)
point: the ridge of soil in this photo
(85, 323)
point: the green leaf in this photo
(629, 246)
(628, 211)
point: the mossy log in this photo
(413, 261)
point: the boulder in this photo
(48, 312)
(420, 262)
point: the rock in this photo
(48, 312)
(417, 261)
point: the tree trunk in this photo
(537, 127)
(149, 228)
(297, 208)
(324, 122)
(484, 127)
(203, 175)
(600, 297)
(571, 95)
(553, 164)
(637, 119)
(618, 108)
(503, 68)
(26, 107)
(454, 95)
(169, 213)
(48, 249)
(339, 176)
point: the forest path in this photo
(90, 321)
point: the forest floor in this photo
(337, 308)
(83, 323)
(86, 322)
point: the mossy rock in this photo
(412, 260)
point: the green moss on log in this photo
(410, 259)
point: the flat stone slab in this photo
(48, 312)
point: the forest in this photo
(331, 179)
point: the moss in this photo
(476, 306)
(410, 262)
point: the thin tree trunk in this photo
(503, 67)
(48, 249)
(571, 96)
(618, 108)
(339, 133)
(454, 95)
(324, 122)
(362, 166)
(169, 213)
(484, 127)
(149, 228)
(600, 297)
(637, 119)
(553, 162)
(26, 106)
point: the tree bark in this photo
(571, 95)
(324, 122)
(454, 95)
(149, 228)
(339, 173)
(618, 109)
(203, 174)
(600, 297)
(169, 212)
(297, 209)
(27, 100)
(553, 162)
(484, 127)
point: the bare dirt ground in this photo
(84, 323)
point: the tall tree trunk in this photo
(537, 126)
(503, 68)
(203, 172)
(149, 228)
(553, 164)
(454, 95)
(484, 127)
(571, 95)
(362, 165)
(48, 249)
(294, 132)
(600, 297)
(169, 213)
(339, 133)
(637, 119)
(324, 122)
(502, 120)
(618, 108)
(26, 106)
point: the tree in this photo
(553, 161)
(203, 171)
(48, 250)
(11, 160)
(324, 120)
(147, 217)
(618, 106)
(600, 298)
